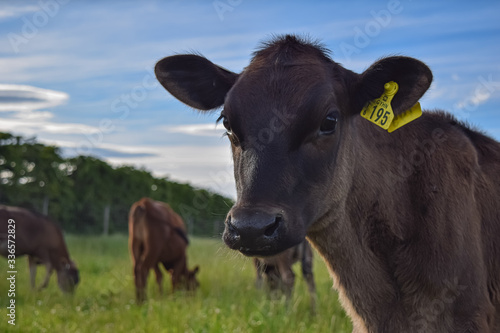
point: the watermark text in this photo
(11, 271)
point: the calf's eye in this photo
(328, 125)
(225, 123)
(234, 140)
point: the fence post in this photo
(215, 231)
(107, 209)
(45, 207)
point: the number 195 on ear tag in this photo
(379, 110)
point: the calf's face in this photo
(288, 117)
(279, 133)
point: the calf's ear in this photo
(194, 80)
(412, 76)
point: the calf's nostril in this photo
(231, 227)
(272, 228)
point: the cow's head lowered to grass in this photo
(289, 117)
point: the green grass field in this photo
(227, 300)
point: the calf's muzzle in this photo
(254, 232)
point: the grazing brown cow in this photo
(158, 235)
(34, 235)
(278, 273)
(408, 221)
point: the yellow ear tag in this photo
(379, 111)
(404, 118)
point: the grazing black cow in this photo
(406, 218)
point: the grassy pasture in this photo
(227, 300)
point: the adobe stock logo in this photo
(221, 7)
(48, 10)
(363, 35)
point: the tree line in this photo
(86, 195)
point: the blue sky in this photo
(79, 74)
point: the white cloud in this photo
(206, 166)
(478, 97)
(16, 11)
(36, 125)
(24, 101)
(210, 129)
(22, 98)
